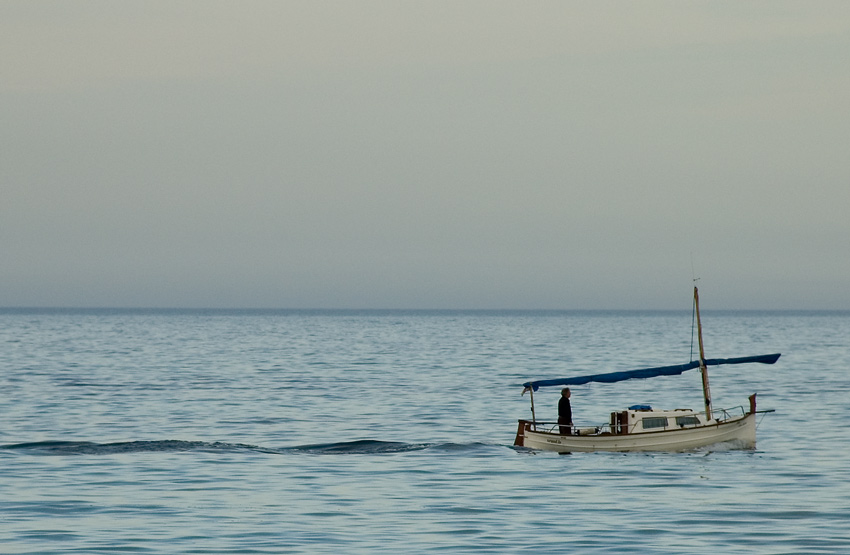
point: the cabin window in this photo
(654, 422)
(683, 421)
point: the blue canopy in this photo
(650, 372)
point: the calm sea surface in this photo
(389, 432)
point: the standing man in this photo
(565, 412)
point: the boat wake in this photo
(359, 447)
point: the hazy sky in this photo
(427, 154)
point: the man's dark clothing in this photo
(565, 415)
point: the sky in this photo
(425, 154)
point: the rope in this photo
(693, 326)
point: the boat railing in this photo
(734, 412)
(555, 428)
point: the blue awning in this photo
(644, 373)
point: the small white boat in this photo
(642, 428)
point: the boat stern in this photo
(522, 426)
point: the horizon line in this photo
(390, 309)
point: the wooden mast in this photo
(706, 392)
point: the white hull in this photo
(740, 431)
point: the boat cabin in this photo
(643, 418)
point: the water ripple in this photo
(357, 447)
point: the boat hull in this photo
(741, 432)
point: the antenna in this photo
(694, 308)
(693, 271)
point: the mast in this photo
(706, 392)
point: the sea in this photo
(228, 431)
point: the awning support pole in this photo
(533, 418)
